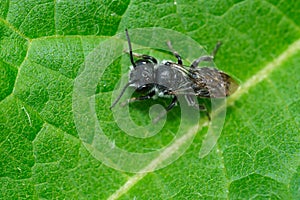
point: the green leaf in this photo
(43, 48)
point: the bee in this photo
(170, 79)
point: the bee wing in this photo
(210, 82)
(231, 84)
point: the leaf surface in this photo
(44, 43)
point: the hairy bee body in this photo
(170, 79)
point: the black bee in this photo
(169, 79)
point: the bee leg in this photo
(170, 106)
(140, 98)
(149, 58)
(143, 56)
(213, 54)
(203, 108)
(175, 53)
(191, 101)
(202, 58)
(206, 58)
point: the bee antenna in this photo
(213, 54)
(121, 94)
(130, 49)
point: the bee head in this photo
(142, 75)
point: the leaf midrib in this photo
(244, 88)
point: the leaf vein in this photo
(254, 80)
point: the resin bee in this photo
(169, 79)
